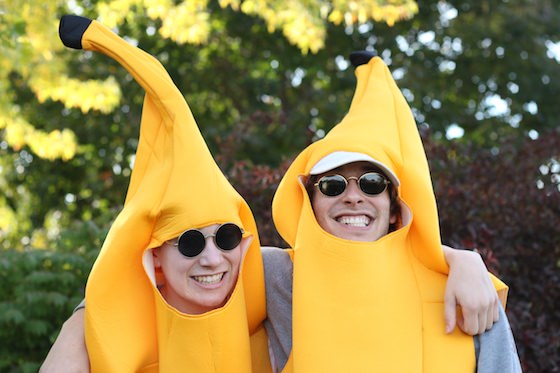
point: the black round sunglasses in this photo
(192, 242)
(371, 183)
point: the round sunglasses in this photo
(371, 183)
(191, 242)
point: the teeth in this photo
(355, 221)
(209, 279)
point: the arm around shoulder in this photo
(69, 352)
(469, 286)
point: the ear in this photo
(156, 252)
(245, 244)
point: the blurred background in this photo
(264, 79)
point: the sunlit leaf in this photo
(102, 95)
(7, 220)
(157, 8)
(112, 13)
(187, 22)
(49, 145)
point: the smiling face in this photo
(204, 282)
(353, 215)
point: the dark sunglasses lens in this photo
(332, 185)
(373, 183)
(228, 236)
(191, 243)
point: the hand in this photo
(469, 286)
(68, 353)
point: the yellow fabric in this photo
(501, 288)
(381, 303)
(175, 185)
(259, 351)
(215, 337)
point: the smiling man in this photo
(353, 215)
(359, 210)
(156, 288)
(200, 268)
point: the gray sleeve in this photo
(496, 350)
(81, 305)
(278, 275)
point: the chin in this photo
(215, 302)
(363, 236)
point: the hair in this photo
(395, 209)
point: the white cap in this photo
(340, 158)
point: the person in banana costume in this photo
(359, 211)
(132, 322)
(135, 318)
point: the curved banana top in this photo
(175, 185)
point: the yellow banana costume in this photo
(371, 306)
(175, 185)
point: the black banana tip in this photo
(361, 57)
(71, 29)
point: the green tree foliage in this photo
(488, 67)
(39, 290)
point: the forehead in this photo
(206, 230)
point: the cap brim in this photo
(340, 158)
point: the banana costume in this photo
(175, 185)
(380, 303)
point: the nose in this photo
(353, 194)
(211, 256)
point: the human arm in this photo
(68, 353)
(469, 286)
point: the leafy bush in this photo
(39, 290)
(506, 202)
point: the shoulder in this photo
(276, 260)
(278, 269)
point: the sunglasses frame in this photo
(358, 179)
(206, 236)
